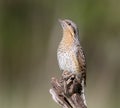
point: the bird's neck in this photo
(67, 39)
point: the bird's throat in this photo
(67, 39)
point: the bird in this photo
(70, 54)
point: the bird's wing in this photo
(82, 63)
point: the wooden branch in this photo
(67, 91)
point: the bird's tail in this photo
(83, 93)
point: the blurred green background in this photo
(29, 36)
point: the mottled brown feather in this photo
(82, 64)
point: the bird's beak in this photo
(62, 23)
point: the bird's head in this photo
(69, 28)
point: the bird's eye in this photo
(68, 23)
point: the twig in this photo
(67, 91)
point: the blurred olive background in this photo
(29, 36)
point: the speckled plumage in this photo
(70, 54)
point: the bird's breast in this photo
(67, 59)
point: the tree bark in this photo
(67, 91)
